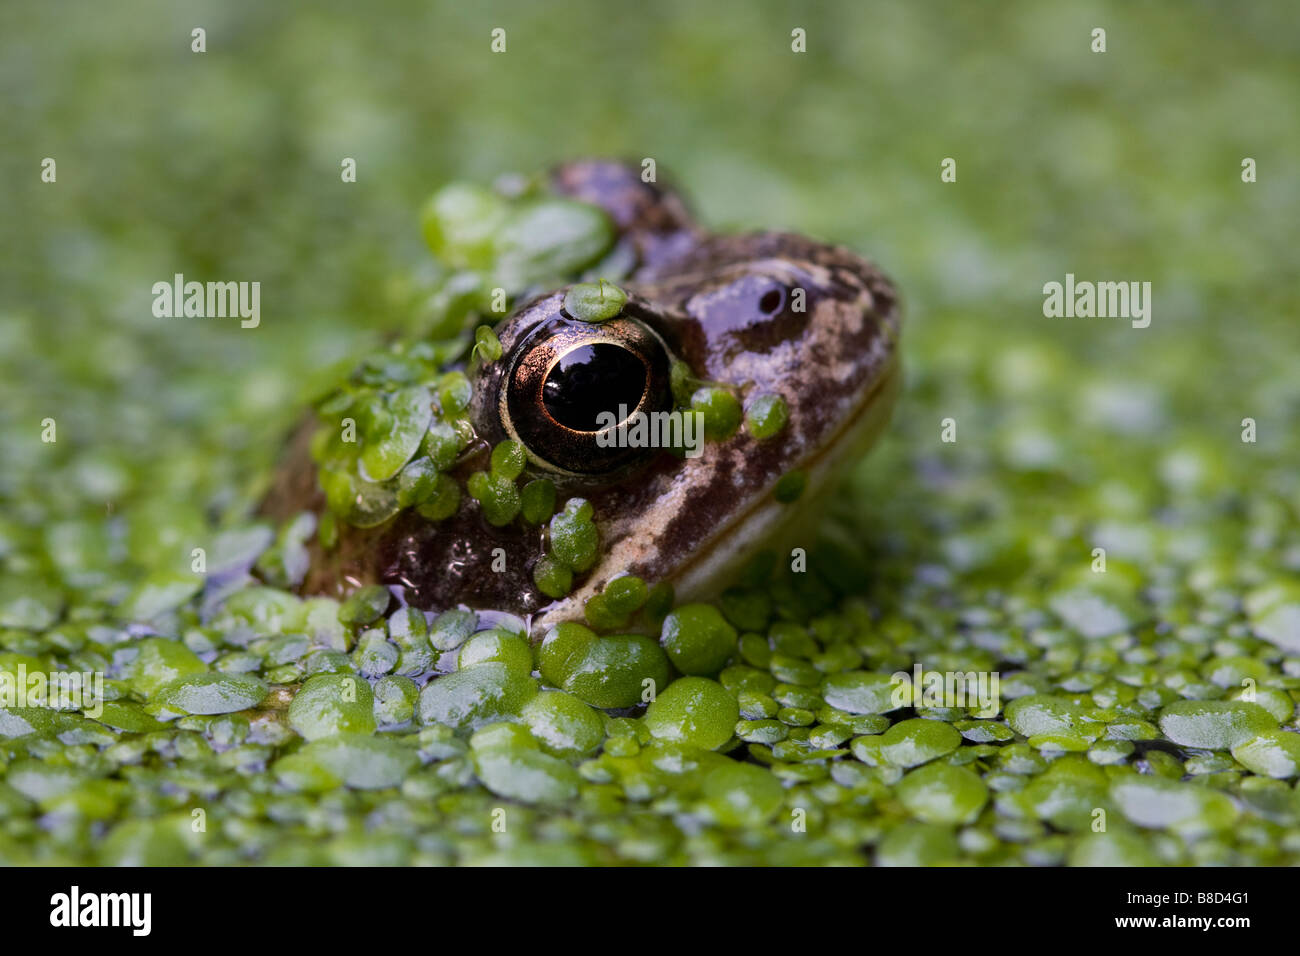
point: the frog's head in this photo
(762, 315)
(806, 330)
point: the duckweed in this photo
(454, 393)
(614, 606)
(1155, 802)
(537, 501)
(943, 793)
(352, 760)
(497, 494)
(766, 416)
(508, 460)
(563, 725)
(158, 661)
(912, 742)
(442, 444)
(693, 710)
(374, 655)
(330, 704)
(1273, 753)
(574, 538)
(209, 694)
(486, 344)
(594, 301)
(742, 795)
(546, 237)
(916, 844)
(365, 606)
(721, 410)
(615, 671)
(31, 605)
(1214, 724)
(698, 639)
(552, 577)
(561, 649)
(450, 629)
(860, 692)
(526, 775)
(417, 483)
(496, 645)
(459, 222)
(477, 695)
(409, 412)
(395, 697)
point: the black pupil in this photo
(592, 379)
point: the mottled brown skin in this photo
(687, 521)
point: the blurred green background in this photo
(225, 165)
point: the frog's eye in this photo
(571, 384)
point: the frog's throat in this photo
(767, 523)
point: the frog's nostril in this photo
(591, 380)
(771, 302)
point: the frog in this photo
(768, 317)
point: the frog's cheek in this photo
(766, 524)
(772, 525)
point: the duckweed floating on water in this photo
(497, 494)
(943, 793)
(330, 704)
(742, 795)
(1214, 724)
(479, 694)
(209, 694)
(1044, 715)
(615, 671)
(1273, 753)
(353, 760)
(1162, 691)
(912, 742)
(859, 692)
(157, 662)
(564, 725)
(496, 645)
(1153, 802)
(526, 775)
(365, 606)
(698, 639)
(395, 697)
(552, 577)
(537, 500)
(693, 710)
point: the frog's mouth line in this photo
(734, 544)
